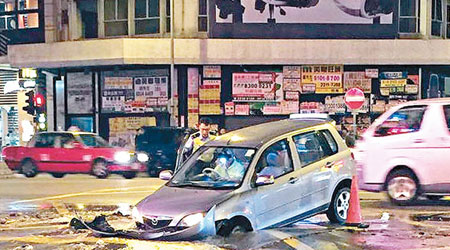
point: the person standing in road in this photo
(195, 143)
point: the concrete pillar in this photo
(425, 18)
(50, 20)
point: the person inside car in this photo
(229, 167)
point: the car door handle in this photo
(418, 141)
(329, 164)
(293, 180)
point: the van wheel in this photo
(28, 168)
(129, 175)
(234, 226)
(100, 169)
(402, 187)
(337, 211)
(58, 175)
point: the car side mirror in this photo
(165, 175)
(263, 180)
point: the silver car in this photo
(263, 176)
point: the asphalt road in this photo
(34, 214)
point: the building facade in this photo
(108, 62)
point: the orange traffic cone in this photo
(354, 217)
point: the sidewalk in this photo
(5, 172)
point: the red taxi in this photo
(60, 153)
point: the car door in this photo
(74, 158)
(277, 203)
(44, 152)
(313, 154)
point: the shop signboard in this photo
(292, 72)
(357, 80)
(394, 75)
(289, 107)
(241, 109)
(411, 89)
(212, 72)
(257, 86)
(393, 83)
(335, 105)
(371, 73)
(326, 78)
(308, 88)
(79, 93)
(291, 84)
(150, 87)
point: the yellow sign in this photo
(28, 73)
(393, 83)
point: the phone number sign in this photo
(253, 87)
(326, 83)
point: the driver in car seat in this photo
(229, 167)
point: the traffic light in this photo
(41, 120)
(29, 107)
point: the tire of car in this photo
(233, 226)
(402, 187)
(58, 175)
(28, 168)
(129, 175)
(337, 211)
(100, 169)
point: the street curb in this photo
(5, 172)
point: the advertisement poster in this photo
(150, 87)
(371, 73)
(335, 105)
(193, 105)
(289, 107)
(256, 18)
(79, 93)
(116, 91)
(326, 78)
(122, 130)
(257, 86)
(272, 109)
(209, 97)
(291, 95)
(229, 108)
(212, 72)
(357, 80)
(292, 72)
(291, 84)
(242, 109)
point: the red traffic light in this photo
(39, 100)
(29, 103)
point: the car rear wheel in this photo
(28, 168)
(402, 187)
(100, 169)
(337, 212)
(129, 175)
(58, 175)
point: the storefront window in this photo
(448, 19)
(168, 15)
(147, 16)
(203, 16)
(436, 18)
(409, 16)
(116, 17)
(15, 14)
(7, 5)
(28, 20)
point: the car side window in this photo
(45, 141)
(275, 160)
(309, 148)
(447, 115)
(404, 120)
(330, 140)
(66, 141)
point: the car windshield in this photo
(214, 167)
(94, 141)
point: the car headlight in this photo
(191, 220)
(122, 157)
(137, 215)
(142, 157)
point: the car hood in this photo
(175, 201)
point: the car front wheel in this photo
(58, 175)
(100, 169)
(129, 175)
(28, 169)
(402, 187)
(337, 212)
(234, 226)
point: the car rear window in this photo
(330, 140)
(403, 121)
(447, 115)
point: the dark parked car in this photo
(161, 145)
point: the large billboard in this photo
(303, 19)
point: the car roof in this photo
(257, 135)
(67, 132)
(429, 101)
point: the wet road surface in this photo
(34, 214)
